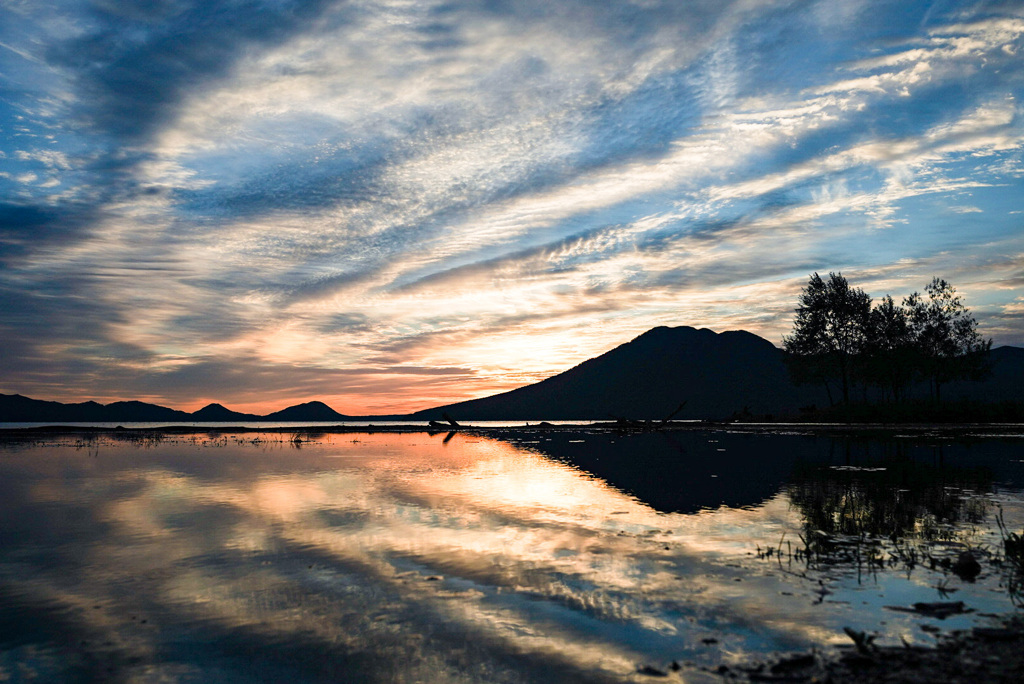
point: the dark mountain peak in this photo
(664, 333)
(218, 413)
(664, 347)
(316, 411)
(744, 338)
(684, 336)
(742, 335)
(312, 404)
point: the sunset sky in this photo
(393, 205)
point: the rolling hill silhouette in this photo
(1006, 383)
(16, 408)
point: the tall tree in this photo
(829, 332)
(889, 348)
(946, 336)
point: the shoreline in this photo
(865, 429)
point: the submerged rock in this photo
(967, 567)
(939, 609)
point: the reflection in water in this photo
(682, 472)
(394, 558)
(893, 499)
(866, 503)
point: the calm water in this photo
(296, 424)
(541, 557)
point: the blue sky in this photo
(393, 205)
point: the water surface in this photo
(538, 557)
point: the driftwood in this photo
(674, 413)
(451, 423)
(646, 424)
(627, 422)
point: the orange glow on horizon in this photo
(376, 404)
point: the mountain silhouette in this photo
(1006, 382)
(215, 413)
(138, 411)
(716, 374)
(15, 408)
(316, 411)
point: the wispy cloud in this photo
(321, 189)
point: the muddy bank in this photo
(982, 654)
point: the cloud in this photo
(29, 226)
(133, 65)
(505, 187)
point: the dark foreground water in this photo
(538, 557)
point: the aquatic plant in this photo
(1013, 543)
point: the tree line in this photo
(841, 340)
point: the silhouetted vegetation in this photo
(1013, 550)
(945, 341)
(830, 333)
(840, 341)
(923, 410)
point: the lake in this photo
(525, 556)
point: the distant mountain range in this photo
(15, 408)
(716, 374)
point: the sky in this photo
(393, 205)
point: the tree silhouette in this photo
(889, 354)
(946, 339)
(830, 331)
(838, 336)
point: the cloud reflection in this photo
(383, 558)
